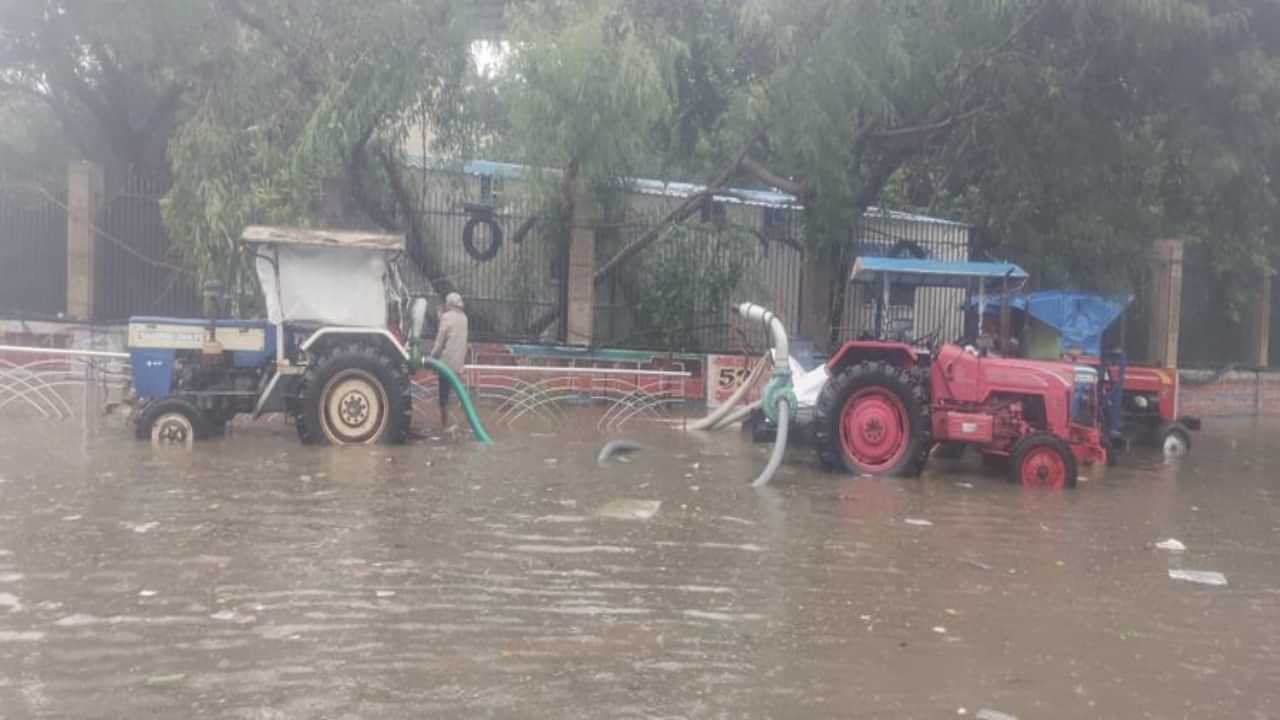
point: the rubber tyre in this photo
(1178, 430)
(155, 410)
(469, 238)
(891, 383)
(1041, 449)
(365, 364)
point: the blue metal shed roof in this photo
(932, 273)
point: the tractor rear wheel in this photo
(354, 394)
(873, 418)
(1043, 460)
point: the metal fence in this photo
(767, 243)
(504, 253)
(139, 269)
(33, 249)
(912, 314)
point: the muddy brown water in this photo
(253, 578)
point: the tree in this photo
(310, 92)
(114, 74)
(1070, 130)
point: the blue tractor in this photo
(330, 354)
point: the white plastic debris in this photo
(630, 509)
(1203, 577)
(918, 522)
(385, 593)
(988, 714)
(142, 528)
(940, 629)
(1172, 545)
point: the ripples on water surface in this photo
(258, 579)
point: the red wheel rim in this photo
(874, 430)
(1044, 468)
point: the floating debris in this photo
(147, 593)
(10, 577)
(385, 593)
(617, 447)
(918, 522)
(10, 601)
(940, 629)
(1203, 577)
(630, 509)
(142, 528)
(1171, 545)
(987, 714)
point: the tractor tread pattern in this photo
(911, 390)
(391, 372)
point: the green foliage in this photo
(305, 95)
(113, 74)
(684, 282)
(587, 85)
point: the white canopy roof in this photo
(314, 237)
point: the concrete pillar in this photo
(1166, 302)
(84, 191)
(1259, 330)
(582, 267)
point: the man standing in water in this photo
(450, 348)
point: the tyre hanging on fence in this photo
(482, 215)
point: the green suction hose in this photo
(446, 375)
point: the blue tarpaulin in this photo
(1080, 318)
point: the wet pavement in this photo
(254, 578)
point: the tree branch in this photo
(439, 282)
(301, 67)
(927, 128)
(772, 179)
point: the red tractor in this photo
(889, 403)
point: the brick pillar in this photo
(582, 268)
(1166, 302)
(1259, 329)
(84, 189)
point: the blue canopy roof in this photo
(1080, 318)
(932, 273)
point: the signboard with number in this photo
(725, 374)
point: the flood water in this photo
(254, 578)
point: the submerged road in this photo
(254, 578)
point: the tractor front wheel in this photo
(873, 418)
(354, 394)
(1175, 440)
(171, 422)
(1044, 461)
